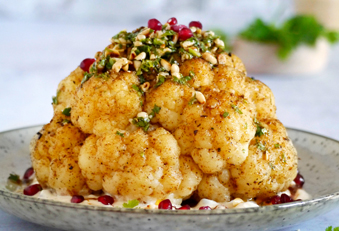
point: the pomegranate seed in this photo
(195, 24)
(184, 207)
(32, 189)
(77, 199)
(205, 208)
(172, 21)
(29, 172)
(106, 200)
(165, 204)
(178, 28)
(154, 24)
(285, 198)
(299, 181)
(275, 200)
(86, 63)
(185, 33)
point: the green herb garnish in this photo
(330, 228)
(184, 80)
(192, 100)
(301, 29)
(161, 80)
(277, 146)
(14, 178)
(225, 114)
(260, 129)
(55, 98)
(155, 110)
(120, 134)
(260, 146)
(87, 76)
(138, 90)
(271, 165)
(67, 111)
(236, 108)
(131, 204)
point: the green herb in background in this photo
(301, 29)
(330, 229)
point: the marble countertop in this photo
(36, 56)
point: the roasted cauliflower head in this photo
(160, 115)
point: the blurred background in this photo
(41, 42)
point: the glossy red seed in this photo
(195, 24)
(205, 208)
(154, 24)
(185, 33)
(32, 189)
(184, 207)
(299, 180)
(29, 172)
(106, 200)
(86, 63)
(172, 21)
(177, 28)
(77, 199)
(165, 204)
(275, 200)
(284, 198)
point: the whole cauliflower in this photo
(159, 115)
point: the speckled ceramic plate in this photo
(319, 162)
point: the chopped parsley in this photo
(260, 129)
(225, 114)
(120, 134)
(277, 145)
(67, 111)
(14, 178)
(236, 108)
(155, 110)
(283, 158)
(66, 121)
(138, 90)
(184, 80)
(192, 100)
(161, 80)
(144, 123)
(142, 155)
(55, 98)
(260, 146)
(131, 204)
(87, 76)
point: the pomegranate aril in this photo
(77, 199)
(195, 24)
(275, 200)
(178, 28)
(165, 204)
(32, 189)
(184, 207)
(154, 24)
(284, 198)
(106, 200)
(172, 21)
(86, 63)
(205, 208)
(185, 33)
(299, 181)
(29, 172)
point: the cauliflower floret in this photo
(172, 98)
(218, 132)
(192, 177)
(271, 163)
(66, 90)
(104, 104)
(231, 79)
(203, 74)
(211, 188)
(136, 165)
(54, 154)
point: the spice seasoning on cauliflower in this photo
(164, 112)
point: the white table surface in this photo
(34, 57)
